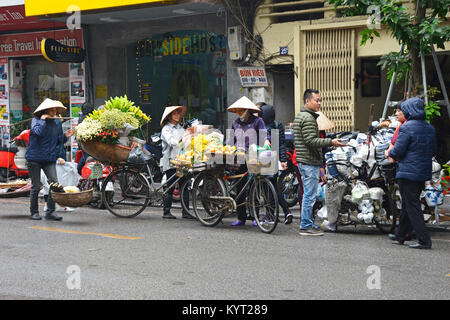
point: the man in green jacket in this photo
(309, 156)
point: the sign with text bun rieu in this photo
(54, 51)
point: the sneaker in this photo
(288, 218)
(52, 216)
(35, 216)
(310, 232)
(168, 215)
(45, 208)
(238, 223)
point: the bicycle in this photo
(132, 191)
(214, 197)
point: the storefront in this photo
(161, 56)
(27, 78)
(180, 68)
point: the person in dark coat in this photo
(413, 150)
(41, 154)
(268, 115)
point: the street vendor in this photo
(241, 138)
(42, 155)
(171, 135)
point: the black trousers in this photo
(411, 215)
(171, 177)
(34, 169)
(242, 208)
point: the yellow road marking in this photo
(107, 235)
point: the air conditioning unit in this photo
(235, 44)
(15, 74)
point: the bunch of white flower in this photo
(88, 129)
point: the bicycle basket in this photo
(266, 163)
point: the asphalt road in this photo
(93, 255)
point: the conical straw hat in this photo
(323, 122)
(243, 103)
(169, 110)
(49, 104)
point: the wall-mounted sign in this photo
(284, 51)
(181, 45)
(29, 44)
(253, 76)
(13, 18)
(54, 51)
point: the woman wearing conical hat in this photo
(245, 122)
(42, 153)
(171, 134)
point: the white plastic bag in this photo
(360, 192)
(322, 213)
(67, 176)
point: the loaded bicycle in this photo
(215, 192)
(131, 188)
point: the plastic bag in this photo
(360, 192)
(320, 196)
(67, 176)
(322, 213)
(136, 155)
(334, 192)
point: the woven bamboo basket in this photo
(13, 185)
(76, 199)
(106, 152)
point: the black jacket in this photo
(268, 115)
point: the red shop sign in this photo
(29, 44)
(13, 18)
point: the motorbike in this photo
(12, 158)
(369, 191)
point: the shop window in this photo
(370, 78)
(44, 79)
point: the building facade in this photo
(322, 51)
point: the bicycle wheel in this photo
(264, 204)
(208, 210)
(187, 187)
(387, 223)
(290, 188)
(125, 193)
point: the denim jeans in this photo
(310, 179)
(34, 169)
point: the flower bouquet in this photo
(104, 133)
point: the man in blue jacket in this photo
(414, 149)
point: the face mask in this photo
(244, 115)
